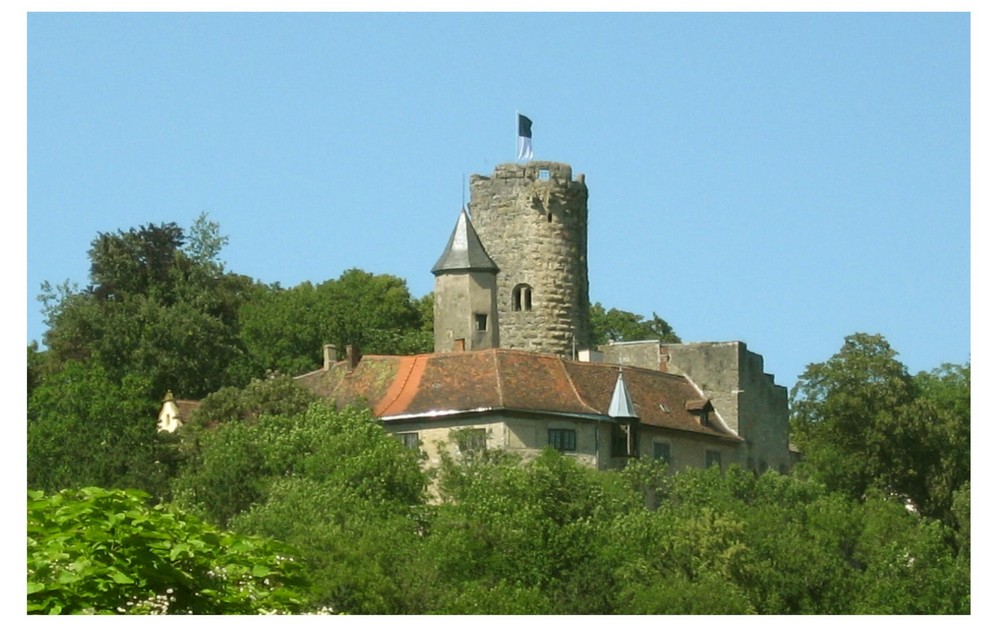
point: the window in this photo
(713, 457)
(480, 321)
(661, 451)
(543, 174)
(563, 439)
(471, 439)
(409, 440)
(521, 298)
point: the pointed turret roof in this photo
(621, 401)
(464, 251)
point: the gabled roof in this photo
(434, 385)
(464, 252)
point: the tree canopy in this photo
(617, 325)
(863, 422)
(284, 329)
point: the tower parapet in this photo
(532, 219)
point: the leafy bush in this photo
(97, 551)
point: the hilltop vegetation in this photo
(312, 508)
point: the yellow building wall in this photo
(528, 436)
(686, 451)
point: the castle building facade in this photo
(512, 367)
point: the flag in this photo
(523, 138)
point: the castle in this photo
(513, 364)
(513, 367)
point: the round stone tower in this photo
(532, 220)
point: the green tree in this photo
(285, 329)
(95, 551)
(140, 260)
(152, 308)
(37, 366)
(330, 483)
(238, 461)
(86, 429)
(362, 554)
(863, 422)
(943, 410)
(540, 531)
(618, 325)
(373, 312)
(847, 416)
(780, 545)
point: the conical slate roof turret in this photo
(621, 401)
(464, 252)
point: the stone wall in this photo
(743, 394)
(650, 354)
(532, 220)
(733, 378)
(458, 298)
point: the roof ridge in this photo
(397, 386)
(576, 392)
(707, 399)
(496, 368)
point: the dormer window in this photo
(521, 298)
(700, 408)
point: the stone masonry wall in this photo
(744, 395)
(733, 378)
(532, 220)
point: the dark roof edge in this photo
(464, 251)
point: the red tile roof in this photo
(512, 380)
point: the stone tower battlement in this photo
(532, 220)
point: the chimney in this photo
(329, 355)
(353, 357)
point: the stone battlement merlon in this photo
(535, 171)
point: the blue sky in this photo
(781, 179)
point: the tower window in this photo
(521, 298)
(480, 321)
(543, 174)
